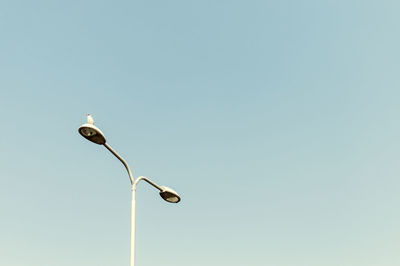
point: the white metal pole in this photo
(133, 222)
(133, 206)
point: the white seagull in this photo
(90, 119)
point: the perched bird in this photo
(90, 119)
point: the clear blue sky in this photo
(276, 121)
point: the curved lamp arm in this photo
(122, 161)
(148, 181)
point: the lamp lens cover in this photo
(88, 132)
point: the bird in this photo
(90, 119)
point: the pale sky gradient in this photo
(276, 121)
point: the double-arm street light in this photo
(94, 134)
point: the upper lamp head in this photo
(169, 195)
(92, 133)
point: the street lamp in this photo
(94, 134)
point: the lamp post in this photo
(94, 134)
